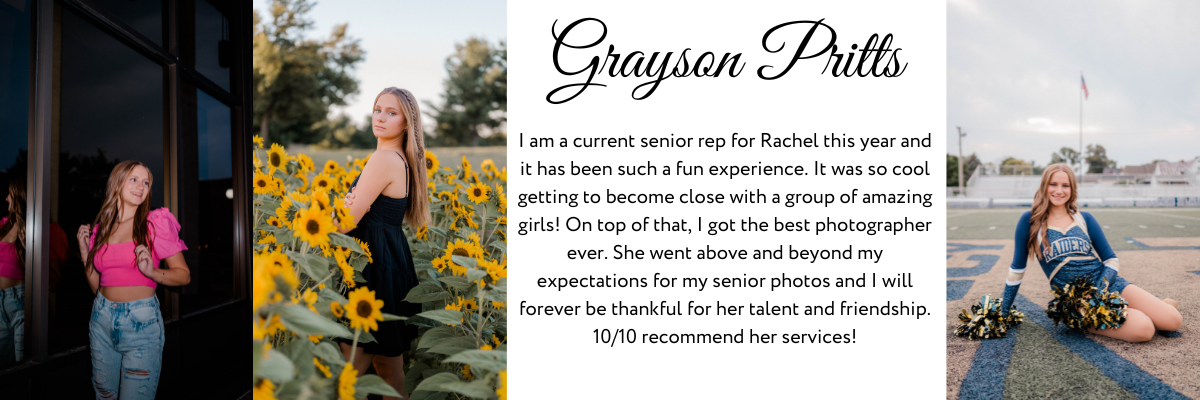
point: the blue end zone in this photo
(986, 262)
(985, 380)
(957, 289)
(1120, 370)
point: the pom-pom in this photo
(985, 321)
(1082, 305)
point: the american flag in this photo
(1084, 83)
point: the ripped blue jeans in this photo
(12, 325)
(126, 342)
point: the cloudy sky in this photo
(406, 42)
(1014, 77)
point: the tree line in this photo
(1096, 159)
(297, 78)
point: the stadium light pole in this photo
(1082, 171)
(961, 190)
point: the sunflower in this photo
(267, 238)
(493, 269)
(423, 233)
(284, 212)
(345, 219)
(474, 237)
(440, 263)
(306, 163)
(502, 391)
(502, 221)
(264, 282)
(316, 339)
(503, 175)
(303, 180)
(457, 306)
(466, 371)
(277, 157)
(322, 182)
(502, 197)
(264, 390)
(279, 264)
(320, 197)
(273, 221)
(264, 184)
(324, 369)
(489, 167)
(431, 163)
(258, 140)
(478, 193)
(464, 249)
(363, 310)
(346, 382)
(347, 270)
(337, 309)
(365, 249)
(313, 226)
(331, 168)
(466, 165)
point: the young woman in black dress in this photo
(390, 191)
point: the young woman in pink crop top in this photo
(12, 275)
(122, 257)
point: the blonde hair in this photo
(413, 144)
(107, 220)
(1041, 207)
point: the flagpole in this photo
(1082, 170)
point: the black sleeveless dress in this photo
(392, 274)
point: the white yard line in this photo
(1165, 215)
(961, 214)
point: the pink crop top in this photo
(118, 265)
(10, 263)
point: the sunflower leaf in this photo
(453, 345)
(500, 246)
(304, 322)
(433, 336)
(373, 384)
(411, 376)
(427, 395)
(468, 262)
(434, 383)
(277, 367)
(326, 293)
(330, 354)
(475, 274)
(358, 263)
(390, 317)
(457, 282)
(341, 240)
(483, 360)
(268, 205)
(475, 389)
(315, 266)
(450, 317)
(426, 291)
(301, 350)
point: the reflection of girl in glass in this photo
(124, 248)
(12, 275)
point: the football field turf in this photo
(1159, 249)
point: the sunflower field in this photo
(308, 290)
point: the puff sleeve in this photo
(164, 231)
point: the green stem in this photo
(354, 347)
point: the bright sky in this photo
(406, 42)
(1014, 77)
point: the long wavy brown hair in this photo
(413, 143)
(108, 218)
(16, 214)
(1041, 207)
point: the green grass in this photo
(1118, 223)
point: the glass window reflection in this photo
(15, 53)
(214, 51)
(109, 109)
(212, 279)
(143, 15)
